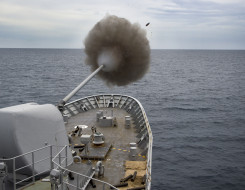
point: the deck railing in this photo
(81, 180)
(60, 162)
(149, 152)
(123, 102)
(32, 165)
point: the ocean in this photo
(194, 100)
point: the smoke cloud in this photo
(121, 47)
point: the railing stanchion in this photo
(66, 156)
(51, 157)
(61, 180)
(33, 167)
(60, 158)
(77, 182)
(14, 174)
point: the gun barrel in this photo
(72, 93)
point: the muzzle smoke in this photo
(121, 47)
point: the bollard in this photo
(133, 152)
(133, 144)
(127, 122)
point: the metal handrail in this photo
(7, 159)
(78, 174)
(32, 153)
(31, 164)
(149, 153)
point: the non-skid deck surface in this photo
(38, 185)
(113, 154)
(96, 152)
(118, 137)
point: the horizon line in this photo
(151, 48)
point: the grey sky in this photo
(174, 24)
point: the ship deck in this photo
(117, 139)
(114, 153)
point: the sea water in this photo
(194, 100)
